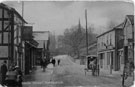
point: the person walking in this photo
(53, 62)
(41, 63)
(44, 64)
(58, 61)
(3, 72)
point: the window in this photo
(108, 58)
(6, 14)
(0, 12)
(6, 24)
(122, 58)
(5, 37)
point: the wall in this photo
(105, 45)
(106, 39)
(128, 35)
(18, 45)
(4, 35)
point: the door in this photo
(101, 60)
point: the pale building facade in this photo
(107, 49)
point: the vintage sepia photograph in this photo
(72, 43)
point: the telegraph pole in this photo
(86, 32)
(86, 40)
(22, 9)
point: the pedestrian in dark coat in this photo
(3, 72)
(41, 63)
(53, 62)
(44, 64)
(58, 61)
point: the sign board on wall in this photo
(41, 35)
(26, 33)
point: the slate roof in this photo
(120, 26)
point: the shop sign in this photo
(26, 33)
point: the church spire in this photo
(79, 26)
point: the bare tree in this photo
(74, 39)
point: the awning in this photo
(33, 43)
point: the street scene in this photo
(67, 44)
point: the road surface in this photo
(70, 74)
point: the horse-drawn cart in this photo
(92, 65)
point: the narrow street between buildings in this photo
(67, 44)
(70, 74)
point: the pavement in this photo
(39, 78)
(70, 74)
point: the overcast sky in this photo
(55, 16)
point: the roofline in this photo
(12, 9)
(105, 32)
(116, 27)
(19, 15)
(127, 17)
(5, 6)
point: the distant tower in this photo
(79, 26)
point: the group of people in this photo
(54, 62)
(44, 62)
(11, 77)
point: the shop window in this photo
(101, 59)
(108, 58)
(122, 58)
